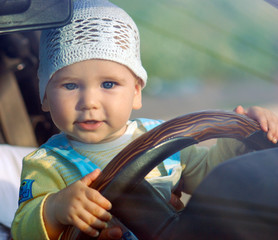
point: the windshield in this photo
(206, 54)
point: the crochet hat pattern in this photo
(98, 30)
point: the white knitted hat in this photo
(98, 30)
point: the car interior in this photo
(23, 126)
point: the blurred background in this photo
(206, 54)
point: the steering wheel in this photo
(135, 202)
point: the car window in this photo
(206, 54)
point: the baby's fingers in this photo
(87, 228)
(267, 120)
(264, 123)
(89, 223)
(96, 197)
(272, 133)
(98, 212)
(269, 124)
(240, 110)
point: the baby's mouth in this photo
(89, 125)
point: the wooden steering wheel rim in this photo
(144, 153)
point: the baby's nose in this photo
(90, 100)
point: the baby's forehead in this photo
(95, 68)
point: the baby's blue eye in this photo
(70, 86)
(108, 85)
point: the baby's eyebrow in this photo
(65, 78)
(109, 78)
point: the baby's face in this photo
(92, 100)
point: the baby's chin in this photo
(88, 140)
(96, 137)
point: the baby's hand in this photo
(77, 205)
(267, 120)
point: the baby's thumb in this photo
(89, 178)
(240, 110)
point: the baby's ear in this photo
(137, 101)
(45, 106)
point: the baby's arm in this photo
(266, 118)
(77, 205)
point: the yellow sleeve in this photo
(199, 161)
(42, 179)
